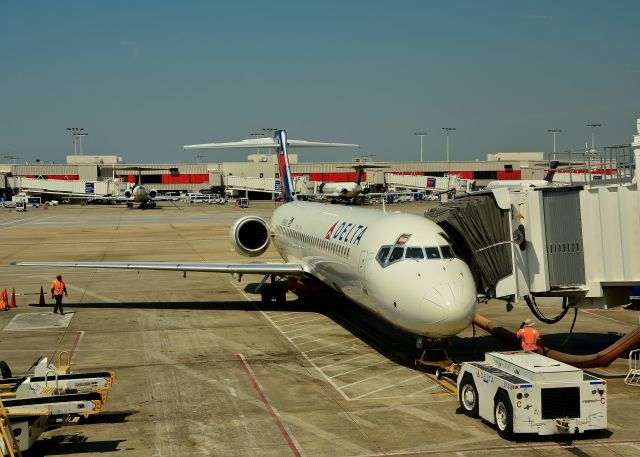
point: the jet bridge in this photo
(576, 241)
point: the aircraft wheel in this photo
(266, 294)
(281, 293)
(468, 396)
(503, 415)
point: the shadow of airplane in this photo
(393, 343)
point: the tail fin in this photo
(359, 174)
(551, 171)
(284, 170)
(281, 143)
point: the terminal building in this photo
(257, 176)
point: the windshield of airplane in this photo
(394, 253)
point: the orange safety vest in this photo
(529, 337)
(58, 287)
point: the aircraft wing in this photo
(288, 269)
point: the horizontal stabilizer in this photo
(270, 143)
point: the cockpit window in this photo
(414, 253)
(447, 252)
(432, 252)
(396, 254)
(383, 253)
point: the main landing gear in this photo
(275, 291)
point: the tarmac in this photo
(203, 369)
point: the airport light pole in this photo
(447, 131)
(554, 132)
(593, 134)
(421, 135)
(78, 133)
(257, 135)
(269, 132)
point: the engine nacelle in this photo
(127, 193)
(250, 236)
(153, 193)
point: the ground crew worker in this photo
(529, 336)
(57, 289)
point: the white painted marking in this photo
(304, 322)
(303, 354)
(357, 369)
(26, 223)
(387, 387)
(326, 346)
(345, 361)
(335, 353)
(372, 377)
(288, 332)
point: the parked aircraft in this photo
(138, 193)
(525, 183)
(347, 191)
(399, 266)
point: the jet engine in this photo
(127, 193)
(250, 236)
(153, 193)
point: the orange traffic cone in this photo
(41, 302)
(3, 300)
(12, 303)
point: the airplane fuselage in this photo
(140, 193)
(380, 261)
(341, 189)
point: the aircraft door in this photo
(364, 257)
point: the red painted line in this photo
(276, 417)
(76, 342)
(568, 445)
(586, 311)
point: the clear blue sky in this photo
(146, 77)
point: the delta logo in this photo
(347, 232)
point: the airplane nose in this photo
(451, 308)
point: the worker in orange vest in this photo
(57, 289)
(529, 336)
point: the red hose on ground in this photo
(599, 359)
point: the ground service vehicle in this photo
(525, 392)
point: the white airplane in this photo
(399, 266)
(138, 193)
(526, 183)
(348, 190)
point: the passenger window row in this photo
(317, 242)
(393, 253)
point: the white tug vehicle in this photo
(525, 392)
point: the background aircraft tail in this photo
(551, 171)
(284, 170)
